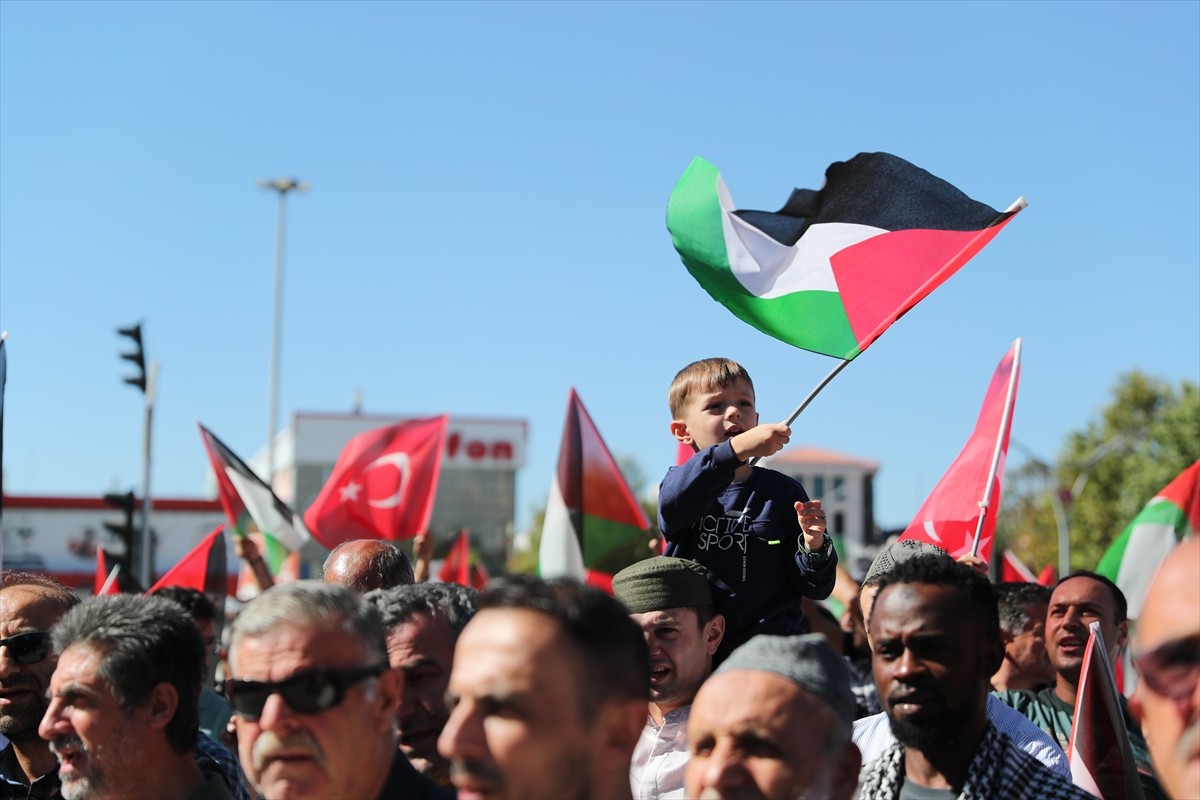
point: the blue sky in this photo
(486, 227)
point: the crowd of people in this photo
(552, 688)
(699, 676)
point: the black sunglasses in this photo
(305, 692)
(27, 648)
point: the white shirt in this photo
(660, 758)
(873, 735)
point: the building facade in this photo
(845, 486)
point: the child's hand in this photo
(812, 524)
(761, 440)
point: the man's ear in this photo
(714, 632)
(161, 706)
(845, 773)
(618, 727)
(680, 432)
(388, 689)
(993, 656)
(1122, 635)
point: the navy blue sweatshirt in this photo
(746, 536)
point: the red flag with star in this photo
(383, 484)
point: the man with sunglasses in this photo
(1167, 656)
(314, 698)
(30, 604)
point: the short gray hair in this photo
(142, 641)
(310, 603)
(452, 602)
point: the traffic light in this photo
(125, 532)
(136, 356)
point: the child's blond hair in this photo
(704, 376)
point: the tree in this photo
(1148, 434)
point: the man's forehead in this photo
(515, 641)
(307, 645)
(666, 616)
(31, 602)
(1172, 607)
(740, 699)
(1083, 589)
(79, 664)
(924, 606)
(421, 631)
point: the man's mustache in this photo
(269, 744)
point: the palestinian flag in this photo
(253, 510)
(1171, 516)
(202, 569)
(1099, 752)
(592, 517)
(832, 269)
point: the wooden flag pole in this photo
(1005, 419)
(824, 382)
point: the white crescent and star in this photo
(400, 462)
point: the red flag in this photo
(103, 584)
(457, 568)
(202, 569)
(382, 486)
(1013, 570)
(1048, 576)
(458, 561)
(960, 515)
(683, 453)
(1101, 758)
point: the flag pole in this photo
(112, 576)
(804, 404)
(1005, 420)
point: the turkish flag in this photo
(965, 502)
(382, 486)
(1013, 570)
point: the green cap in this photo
(662, 582)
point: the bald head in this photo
(1166, 648)
(366, 564)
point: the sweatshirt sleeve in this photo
(818, 571)
(690, 488)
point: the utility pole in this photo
(282, 186)
(1061, 498)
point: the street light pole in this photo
(282, 186)
(1061, 498)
